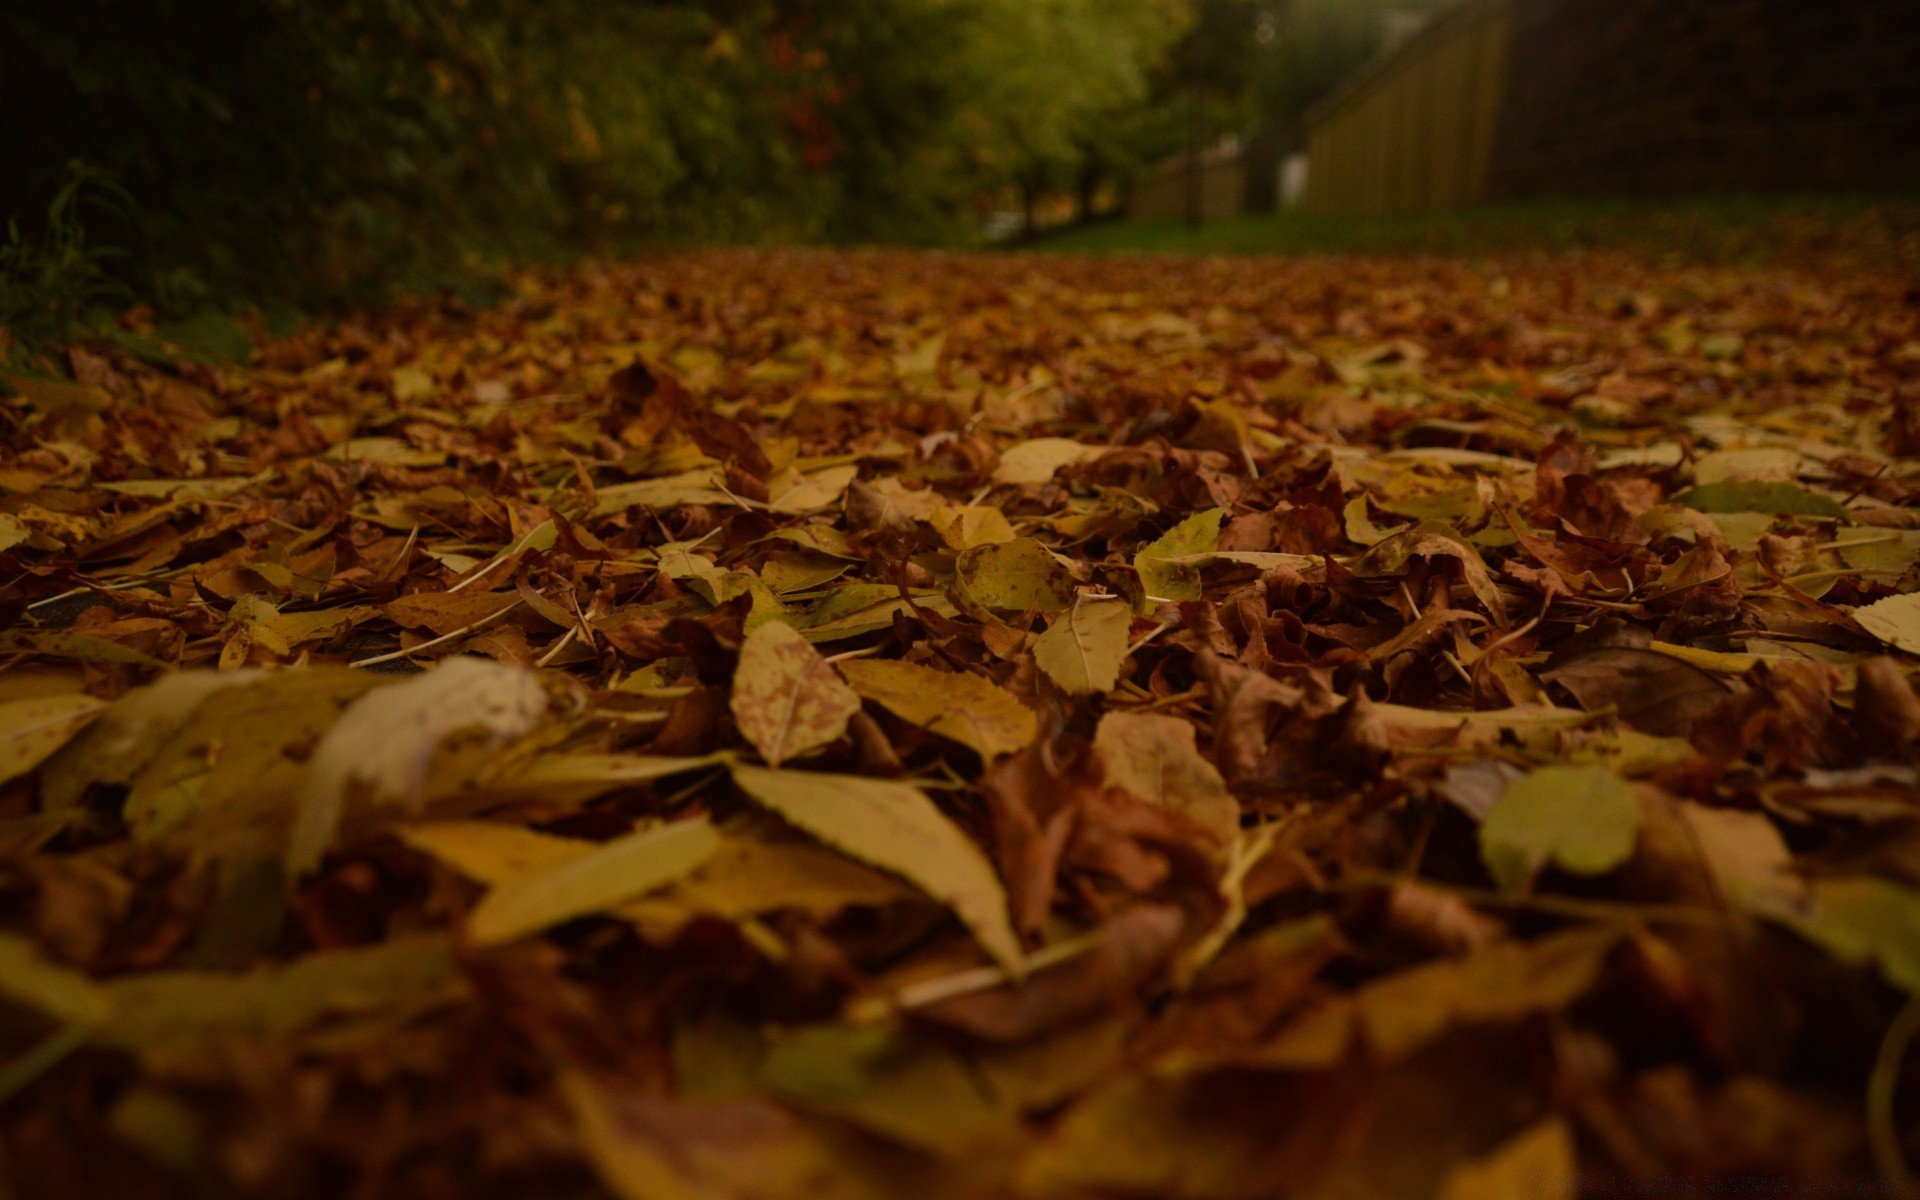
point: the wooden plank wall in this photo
(1415, 133)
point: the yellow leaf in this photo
(900, 1084)
(698, 486)
(1083, 649)
(786, 698)
(1019, 576)
(972, 711)
(412, 383)
(750, 875)
(1405, 1010)
(1164, 580)
(793, 492)
(575, 884)
(31, 730)
(1036, 459)
(895, 827)
(972, 525)
(1582, 819)
(571, 778)
(1155, 758)
(493, 852)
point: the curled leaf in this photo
(381, 747)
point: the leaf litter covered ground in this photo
(778, 724)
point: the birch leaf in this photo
(1036, 459)
(1019, 576)
(1582, 819)
(1164, 580)
(786, 698)
(1895, 621)
(160, 1009)
(1083, 649)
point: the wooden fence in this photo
(1162, 196)
(1416, 132)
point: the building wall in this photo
(1416, 131)
(1624, 96)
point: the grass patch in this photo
(1729, 227)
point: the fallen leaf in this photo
(1155, 758)
(1863, 919)
(1740, 496)
(32, 730)
(1036, 459)
(786, 698)
(1083, 649)
(1165, 580)
(1581, 819)
(382, 745)
(1536, 1164)
(895, 827)
(1018, 576)
(599, 878)
(972, 711)
(1895, 621)
(167, 1009)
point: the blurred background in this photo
(197, 155)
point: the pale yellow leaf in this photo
(972, 525)
(1895, 621)
(494, 852)
(1019, 576)
(160, 1009)
(1165, 580)
(793, 492)
(31, 730)
(1083, 649)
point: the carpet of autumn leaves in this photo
(780, 723)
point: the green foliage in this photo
(54, 281)
(294, 153)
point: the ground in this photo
(808, 723)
